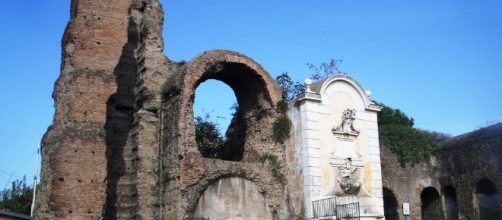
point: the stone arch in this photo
(256, 93)
(487, 199)
(431, 204)
(232, 197)
(390, 204)
(451, 203)
(322, 87)
(188, 172)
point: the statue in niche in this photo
(349, 178)
(346, 127)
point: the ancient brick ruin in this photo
(122, 143)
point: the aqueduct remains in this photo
(122, 142)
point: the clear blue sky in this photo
(438, 61)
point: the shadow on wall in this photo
(119, 118)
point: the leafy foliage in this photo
(282, 128)
(208, 137)
(18, 198)
(290, 88)
(411, 145)
(282, 106)
(324, 69)
(393, 116)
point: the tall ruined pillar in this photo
(98, 64)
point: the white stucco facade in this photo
(336, 142)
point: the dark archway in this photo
(390, 205)
(431, 204)
(488, 200)
(450, 199)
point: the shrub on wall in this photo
(409, 144)
(282, 126)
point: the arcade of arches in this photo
(461, 181)
(434, 206)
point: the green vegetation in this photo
(282, 125)
(409, 144)
(208, 137)
(18, 198)
(324, 69)
(388, 116)
(282, 106)
(290, 88)
(282, 128)
(275, 167)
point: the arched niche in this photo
(450, 200)
(390, 205)
(326, 88)
(488, 200)
(232, 198)
(431, 204)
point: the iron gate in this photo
(329, 208)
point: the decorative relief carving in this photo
(349, 177)
(346, 127)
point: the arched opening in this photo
(232, 198)
(488, 200)
(390, 205)
(249, 120)
(431, 204)
(450, 199)
(214, 107)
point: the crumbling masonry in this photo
(122, 141)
